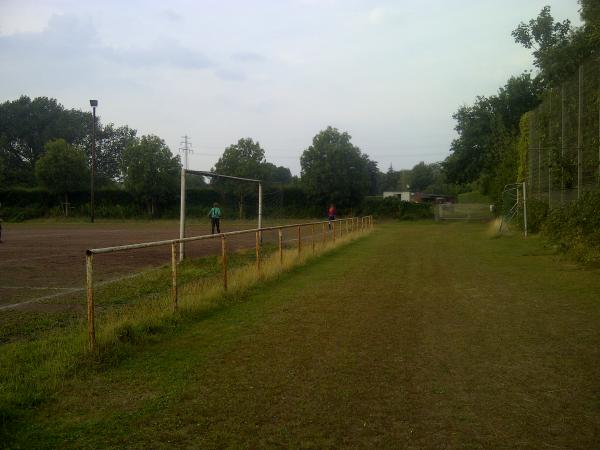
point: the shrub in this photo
(575, 228)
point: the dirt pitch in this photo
(40, 261)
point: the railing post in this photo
(280, 246)
(224, 260)
(313, 237)
(258, 252)
(174, 275)
(89, 262)
(299, 240)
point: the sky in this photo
(390, 73)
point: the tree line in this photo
(485, 155)
(44, 145)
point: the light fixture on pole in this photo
(93, 104)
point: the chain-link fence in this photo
(564, 139)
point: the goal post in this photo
(202, 173)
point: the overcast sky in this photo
(391, 73)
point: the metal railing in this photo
(338, 226)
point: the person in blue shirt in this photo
(215, 218)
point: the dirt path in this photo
(418, 336)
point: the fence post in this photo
(524, 207)
(313, 238)
(258, 252)
(324, 234)
(89, 262)
(224, 260)
(579, 135)
(174, 275)
(299, 240)
(280, 238)
(562, 144)
(333, 231)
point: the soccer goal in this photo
(467, 212)
(514, 197)
(182, 216)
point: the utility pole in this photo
(187, 148)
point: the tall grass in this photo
(33, 371)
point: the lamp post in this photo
(93, 104)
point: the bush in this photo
(575, 228)
(537, 212)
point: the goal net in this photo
(475, 212)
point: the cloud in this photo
(172, 15)
(376, 16)
(69, 39)
(248, 57)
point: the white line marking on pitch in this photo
(39, 288)
(69, 291)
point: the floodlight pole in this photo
(93, 104)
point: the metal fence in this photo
(314, 233)
(564, 139)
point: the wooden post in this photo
(89, 261)
(280, 246)
(258, 252)
(333, 230)
(299, 240)
(346, 223)
(174, 276)
(313, 238)
(224, 260)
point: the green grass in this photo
(41, 350)
(420, 335)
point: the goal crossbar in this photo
(212, 175)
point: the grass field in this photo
(419, 335)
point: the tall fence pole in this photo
(174, 275)
(579, 134)
(333, 231)
(562, 145)
(224, 260)
(524, 207)
(299, 240)
(89, 271)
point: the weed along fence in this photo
(306, 238)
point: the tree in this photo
(277, 174)
(151, 171)
(246, 159)
(62, 169)
(334, 170)
(558, 48)
(422, 176)
(485, 128)
(27, 125)
(111, 142)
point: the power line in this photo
(186, 149)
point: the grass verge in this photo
(131, 312)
